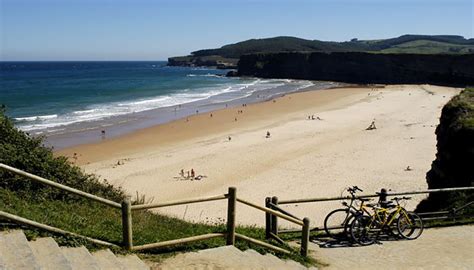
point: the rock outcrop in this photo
(203, 61)
(360, 67)
(453, 166)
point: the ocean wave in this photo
(205, 75)
(223, 92)
(84, 112)
(35, 118)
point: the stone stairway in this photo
(16, 253)
(227, 257)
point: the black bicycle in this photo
(337, 222)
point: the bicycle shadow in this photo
(344, 242)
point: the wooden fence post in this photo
(305, 238)
(274, 221)
(268, 219)
(127, 223)
(232, 200)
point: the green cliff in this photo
(453, 166)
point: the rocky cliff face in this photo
(203, 61)
(359, 67)
(454, 163)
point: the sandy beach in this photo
(302, 158)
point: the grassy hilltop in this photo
(414, 44)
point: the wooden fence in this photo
(126, 208)
(271, 221)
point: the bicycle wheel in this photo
(392, 229)
(349, 222)
(409, 225)
(335, 223)
(363, 230)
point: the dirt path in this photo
(440, 248)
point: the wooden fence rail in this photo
(179, 241)
(177, 202)
(273, 212)
(308, 200)
(127, 224)
(20, 220)
(60, 186)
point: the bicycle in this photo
(366, 229)
(337, 221)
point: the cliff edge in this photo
(362, 67)
(453, 166)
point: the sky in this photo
(62, 30)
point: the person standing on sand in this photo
(192, 174)
(268, 134)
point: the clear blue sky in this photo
(155, 30)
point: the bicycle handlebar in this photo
(354, 189)
(402, 198)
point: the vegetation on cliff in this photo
(405, 43)
(455, 157)
(415, 44)
(23, 197)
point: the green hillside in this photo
(402, 44)
(415, 44)
(429, 47)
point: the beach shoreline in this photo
(302, 158)
(87, 132)
(225, 122)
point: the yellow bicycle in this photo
(366, 229)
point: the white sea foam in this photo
(37, 117)
(205, 75)
(224, 92)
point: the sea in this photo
(71, 103)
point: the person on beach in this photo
(229, 138)
(182, 173)
(192, 174)
(102, 133)
(211, 114)
(268, 134)
(372, 126)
